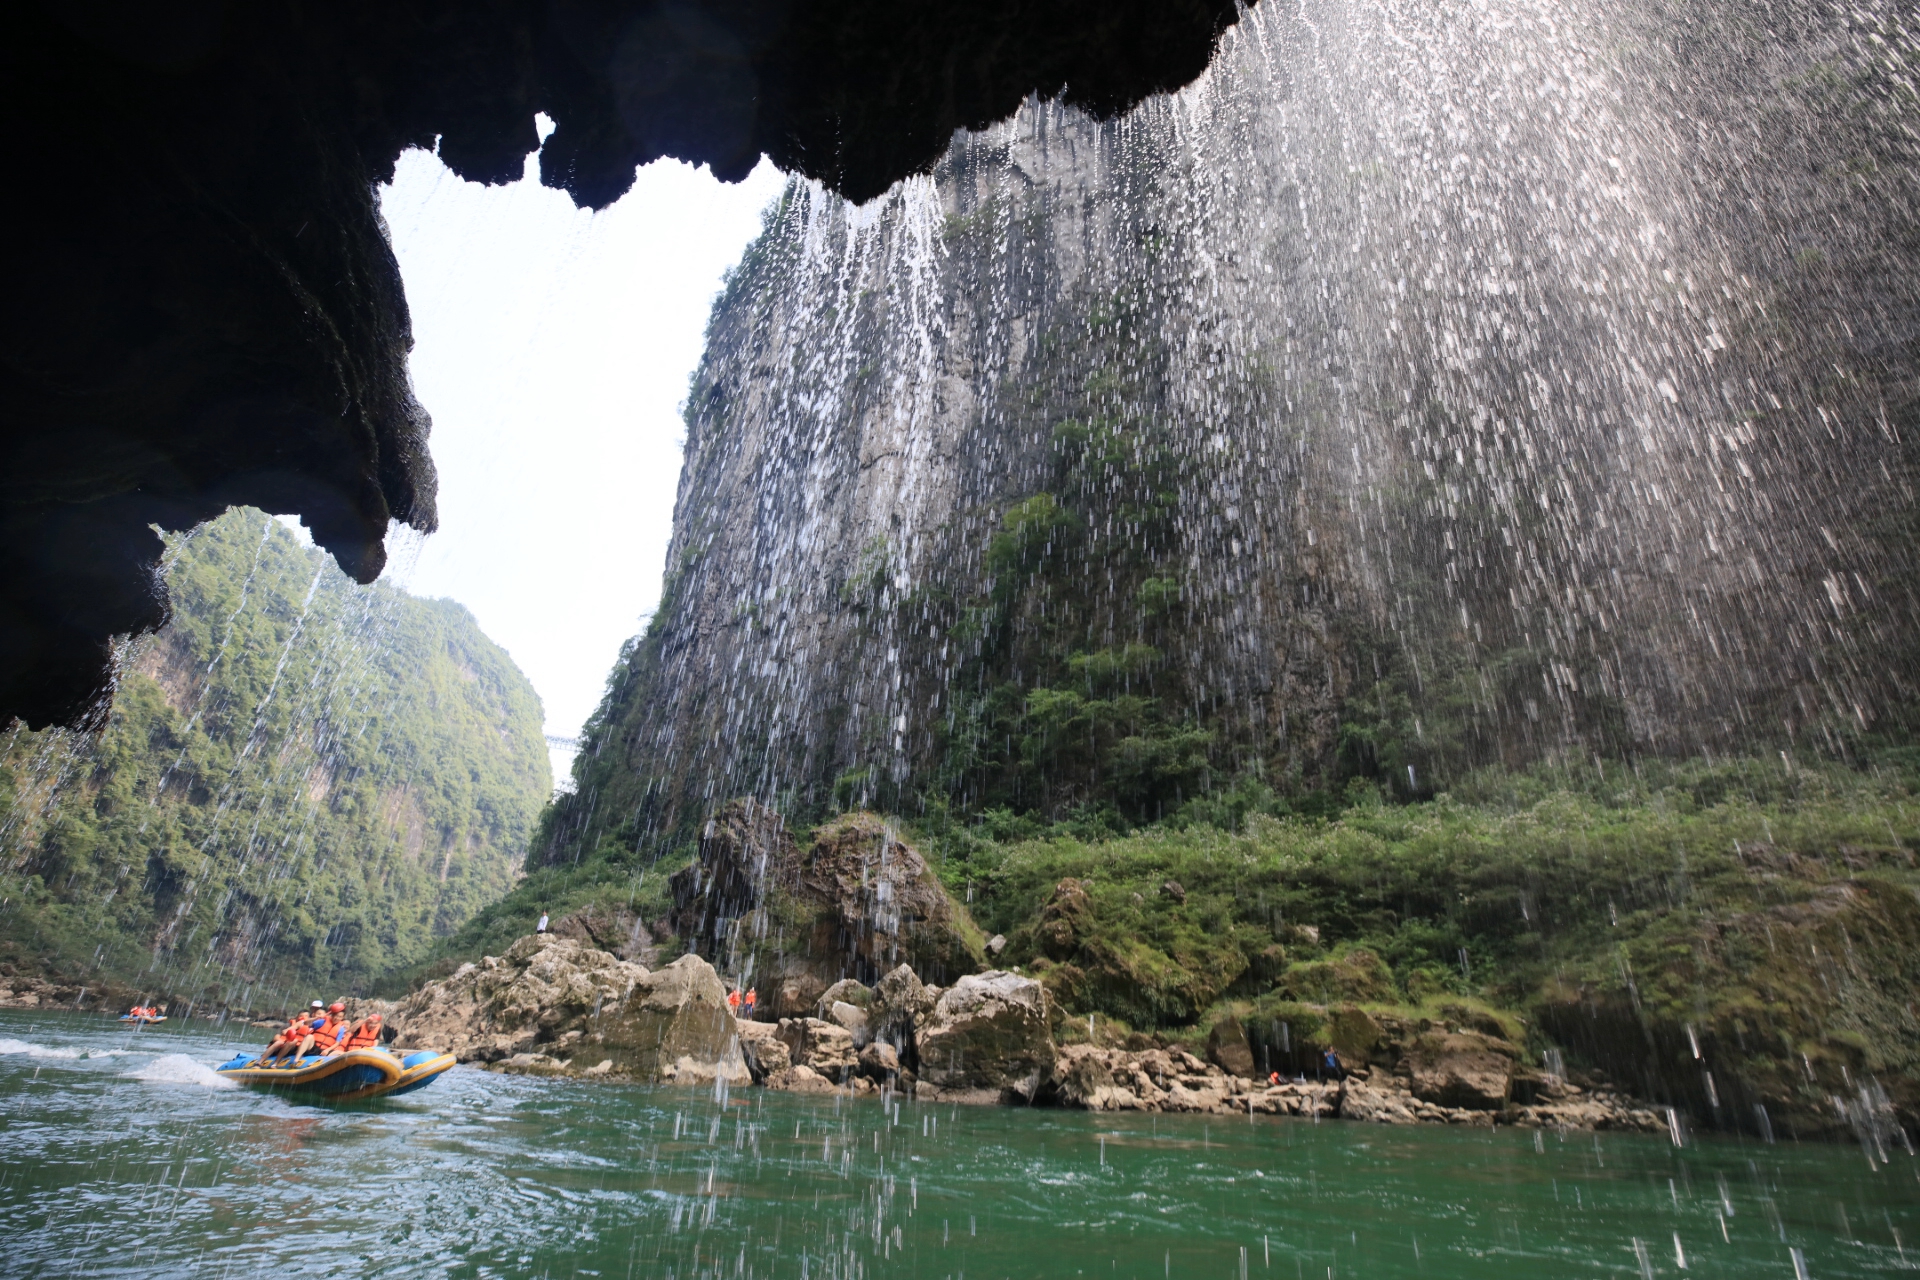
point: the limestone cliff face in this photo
(1322, 421)
(939, 453)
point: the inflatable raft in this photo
(353, 1076)
(127, 1017)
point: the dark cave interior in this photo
(205, 309)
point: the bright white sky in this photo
(553, 349)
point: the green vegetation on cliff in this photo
(304, 784)
(1758, 920)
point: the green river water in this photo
(120, 1154)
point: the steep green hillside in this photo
(304, 784)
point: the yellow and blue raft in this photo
(353, 1076)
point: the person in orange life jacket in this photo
(367, 1034)
(733, 1001)
(322, 1032)
(752, 1001)
(328, 1036)
(297, 1028)
(364, 1034)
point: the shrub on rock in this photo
(1357, 974)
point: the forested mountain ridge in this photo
(303, 783)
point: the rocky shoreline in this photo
(31, 991)
(554, 1006)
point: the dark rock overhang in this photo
(202, 306)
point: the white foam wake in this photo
(178, 1068)
(32, 1050)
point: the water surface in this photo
(121, 1155)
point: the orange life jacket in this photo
(363, 1035)
(326, 1034)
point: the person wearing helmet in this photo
(291, 1042)
(322, 1031)
(327, 1036)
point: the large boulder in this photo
(989, 1031)
(616, 930)
(846, 991)
(675, 1026)
(821, 1046)
(537, 993)
(800, 1078)
(855, 903)
(1084, 1077)
(880, 1062)
(567, 1006)
(901, 1002)
(1227, 1046)
(766, 1053)
(852, 1017)
(1461, 1069)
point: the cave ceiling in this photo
(203, 307)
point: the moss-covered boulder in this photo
(1286, 1035)
(1228, 1048)
(1796, 1017)
(1065, 921)
(1102, 947)
(855, 902)
(1362, 1037)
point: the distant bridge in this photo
(565, 744)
